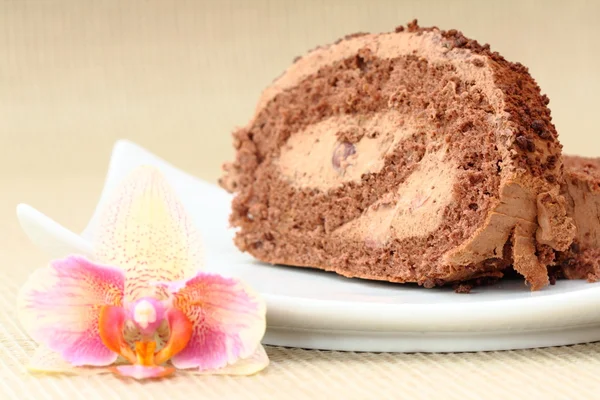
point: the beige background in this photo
(177, 77)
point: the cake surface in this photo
(582, 191)
(411, 156)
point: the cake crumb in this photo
(463, 288)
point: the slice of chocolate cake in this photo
(412, 156)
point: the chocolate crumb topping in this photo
(413, 26)
(525, 143)
(538, 126)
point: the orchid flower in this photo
(141, 307)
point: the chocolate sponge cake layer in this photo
(411, 156)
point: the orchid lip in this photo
(143, 372)
(144, 351)
(181, 329)
(111, 327)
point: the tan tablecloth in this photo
(176, 77)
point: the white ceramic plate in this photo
(315, 309)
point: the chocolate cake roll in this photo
(412, 156)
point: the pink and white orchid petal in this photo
(146, 230)
(141, 372)
(244, 367)
(59, 307)
(228, 320)
(48, 361)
